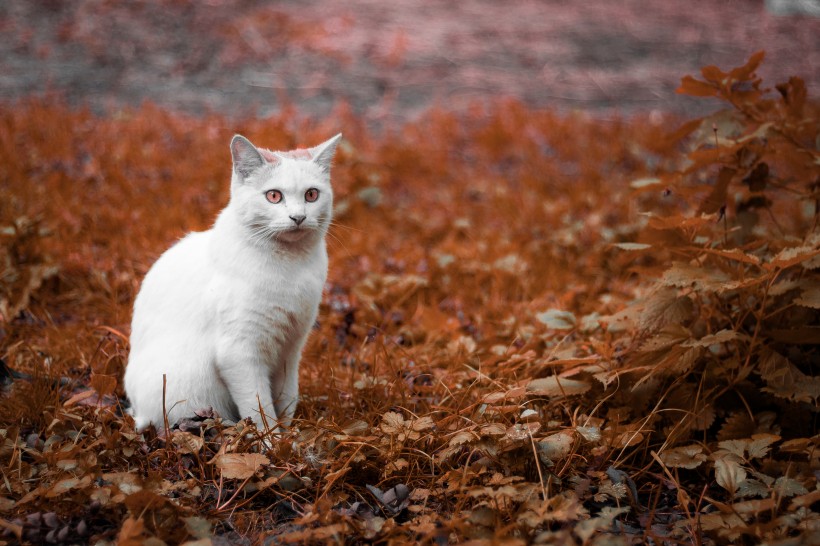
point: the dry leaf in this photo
(555, 446)
(785, 380)
(683, 457)
(240, 466)
(557, 386)
(632, 246)
(809, 297)
(729, 474)
(713, 339)
(557, 319)
(792, 256)
(186, 442)
(131, 532)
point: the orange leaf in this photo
(717, 197)
(696, 88)
(794, 95)
(79, 397)
(713, 74)
(555, 386)
(131, 532)
(734, 254)
(240, 465)
(743, 72)
(792, 256)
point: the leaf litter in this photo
(509, 349)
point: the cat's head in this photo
(282, 197)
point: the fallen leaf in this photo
(683, 457)
(729, 474)
(557, 386)
(555, 446)
(186, 442)
(240, 466)
(632, 246)
(557, 319)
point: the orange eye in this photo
(311, 195)
(274, 196)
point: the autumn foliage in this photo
(537, 328)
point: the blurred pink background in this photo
(392, 60)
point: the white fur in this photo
(225, 313)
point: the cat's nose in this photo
(298, 219)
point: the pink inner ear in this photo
(268, 156)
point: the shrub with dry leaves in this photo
(537, 328)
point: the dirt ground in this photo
(390, 61)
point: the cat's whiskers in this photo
(261, 234)
(340, 242)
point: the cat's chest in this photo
(251, 297)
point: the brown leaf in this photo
(683, 457)
(392, 422)
(745, 71)
(718, 196)
(502, 396)
(785, 380)
(794, 95)
(557, 386)
(186, 442)
(788, 487)
(696, 88)
(792, 256)
(729, 474)
(68, 484)
(34, 276)
(663, 307)
(804, 501)
(555, 446)
(131, 532)
(734, 254)
(809, 297)
(240, 466)
(713, 339)
(557, 319)
(422, 424)
(713, 74)
(684, 275)
(462, 437)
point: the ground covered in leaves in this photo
(537, 328)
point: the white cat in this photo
(225, 313)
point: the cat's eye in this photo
(274, 196)
(311, 195)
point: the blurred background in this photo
(389, 61)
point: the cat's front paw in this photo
(268, 440)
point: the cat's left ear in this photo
(246, 158)
(322, 154)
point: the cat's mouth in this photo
(293, 234)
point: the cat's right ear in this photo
(246, 158)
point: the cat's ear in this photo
(246, 158)
(322, 154)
